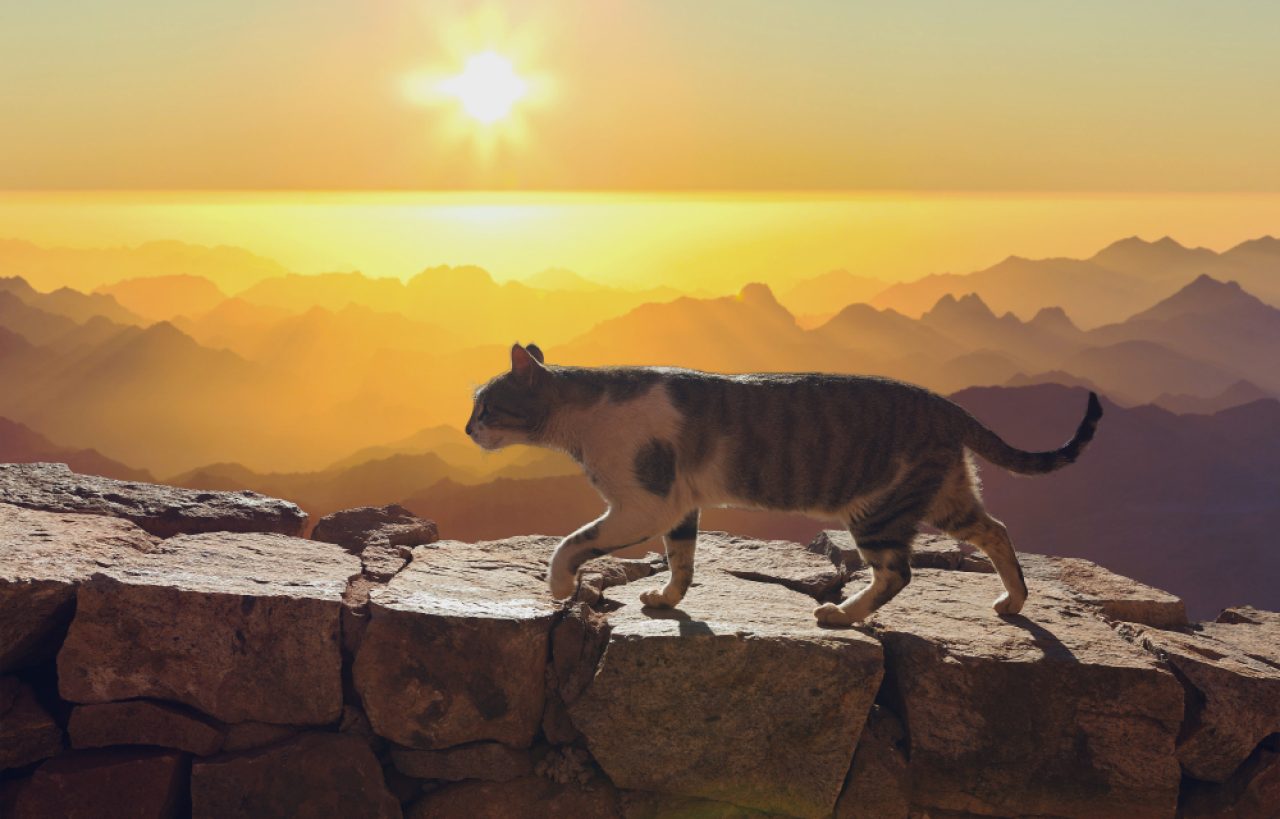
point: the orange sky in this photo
(659, 95)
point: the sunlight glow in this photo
(487, 87)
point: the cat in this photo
(878, 455)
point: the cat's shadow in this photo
(688, 627)
(1043, 638)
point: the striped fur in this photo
(878, 455)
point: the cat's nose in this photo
(468, 430)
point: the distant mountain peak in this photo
(1263, 244)
(969, 305)
(758, 294)
(1053, 318)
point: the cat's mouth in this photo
(488, 439)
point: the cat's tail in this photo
(990, 446)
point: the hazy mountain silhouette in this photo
(372, 483)
(734, 333)
(161, 298)
(1140, 370)
(1120, 279)
(1238, 394)
(1216, 321)
(32, 323)
(824, 295)
(230, 268)
(20, 444)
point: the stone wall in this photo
(165, 652)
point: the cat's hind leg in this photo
(958, 511)
(890, 562)
(883, 535)
(680, 543)
(614, 530)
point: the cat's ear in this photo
(524, 365)
(536, 352)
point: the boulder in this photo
(132, 783)
(244, 627)
(490, 761)
(456, 646)
(383, 536)
(1046, 713)
(354, 529)
(1252, 792)
(313, 774)
(1117, 597)
(877, 784)
(43, 558)
(27, 732)
(1232, 673)
(140, 722)
(736, 696)
(771, 561)
(163, 511)
(528, 798)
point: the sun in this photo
(487, 87)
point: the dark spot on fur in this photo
(655, 467)
(687, 529)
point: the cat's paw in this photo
(655, 600)
(829, 614)
(1008, 605)
(562, 586)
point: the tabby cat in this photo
(880, 456)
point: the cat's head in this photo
(513, 408)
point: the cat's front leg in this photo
(680, 543)
(611, 532)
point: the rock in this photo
(355, 529)
(1116, 596)
(43, 558)
(243, 627)
(579, 639)
(163, 511)
(1048, 713)
(383, 536)
(1252, 616)
(1252, 792)
(246, 736)
(770, 561)
(927, 552)
(527, 798)
(1232, 672)
(490, 761)
(139, 722)
(105, 784)
(877, 783)
(311, 775)
(736, 696)
(27, 732)
(456, 647)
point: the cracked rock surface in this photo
(43, 558)
(1059, 714)
(456, 646)
(736, 696)
(1232, 671)
(244, 627)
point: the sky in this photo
(663, 95)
